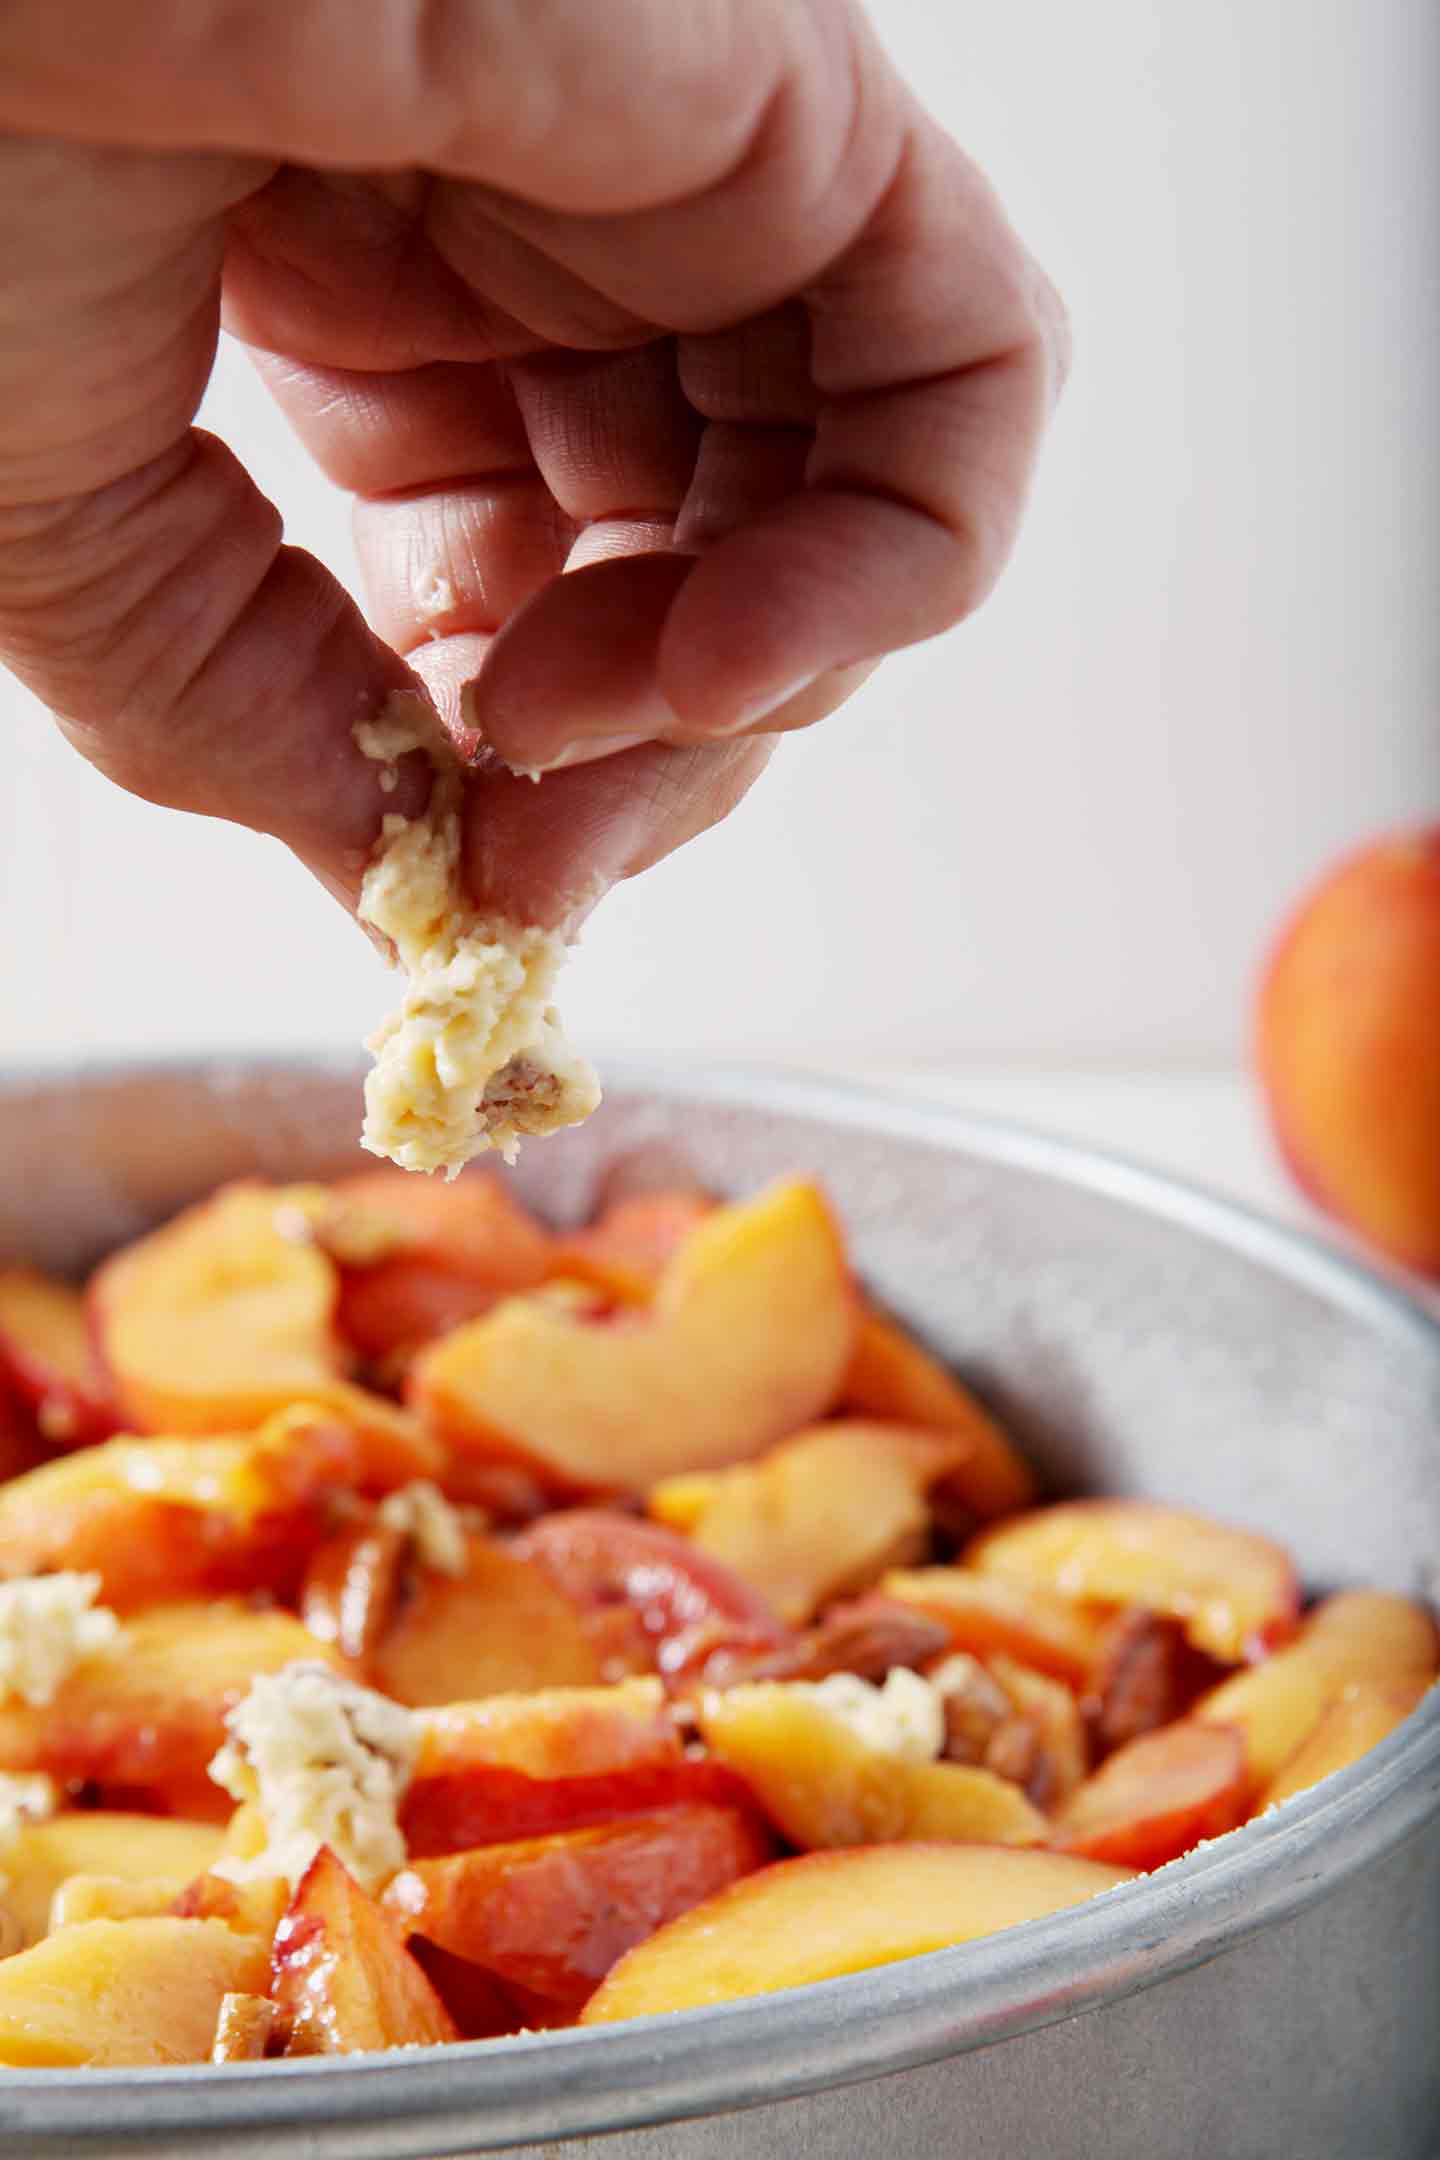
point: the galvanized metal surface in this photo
(1275, 1996)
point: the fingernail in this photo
(751, 715)
(587, 750)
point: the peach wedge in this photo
(823, 1786)
(824, 1513)
(831, 1913)
(624, 1401)
(1357, 1635)
(1234, 1592)
(122, 1993)
(1356, 1721)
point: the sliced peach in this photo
(553, 1914)
(161, 1519)
(627, 1249)
(890, 1376)
(648, 1591)
(749, 1332)
(557, 1732)
(500, 1627)
(1235, 1592)
(47, 1354)
(523, 1766)
(222, 1316)
(142, 1717)
(824, 1514)
(1348, 1044)
(389, 1312)
(1355, 1721)
(343, 1980)
(254, 1906)
(824, 1786)
(243, 2026)
(839, 1912)
(1156, 1797)
(988, 1613)
(99, 1841)
(418, 1259)
(473, 1227)
(1357, 1635)
(117, 1993)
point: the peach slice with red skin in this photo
(500, 1627)
(1157, 1796)
(1356, 1721)
(553, 1914)
(524, 1766)
(891, 1377)
(831, 1913)
(342, 1979)
(418, 1258)
(627, 1249)
(1348, 1044)
(988, 1613)
(824, 1786)
(1235, 1592)
(143, 1717)
(1357, 1635)
(48, 1356)
(673, 1601)
(823, 1514)
(621, 1404)
(161, 1519)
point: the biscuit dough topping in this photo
(328, 1763)
(47, 1624)
(475, 1057)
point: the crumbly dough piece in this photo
(328, 1762)
(476, 1056)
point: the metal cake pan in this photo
(1274, 1996)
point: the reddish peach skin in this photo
(523, 1766)
(1235, 1593)
(48, 1357)
(473, 1227)
(553, 1914)
(1156, 1797)
(443, 1255)
(1348, 1045)
(129, 1511)
(390, 1311)
(625, 1251)
(839, 1912)
(619, 1406)
(342, 1978)
(680, 1601)
(891, 1377)
(21, 1448)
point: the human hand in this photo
(694, 303)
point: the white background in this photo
(1061, 834)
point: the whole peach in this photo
(1349, 1045)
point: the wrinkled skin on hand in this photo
(692, 303)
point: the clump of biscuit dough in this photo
(475, 1057)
